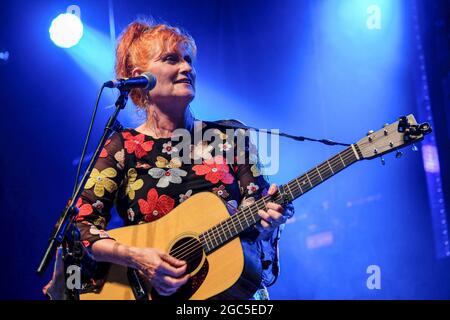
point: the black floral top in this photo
(145, 178)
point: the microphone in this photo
(145, 81)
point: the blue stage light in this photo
(66, 30)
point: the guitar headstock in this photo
(392, 137)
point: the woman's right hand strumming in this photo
(165, 273)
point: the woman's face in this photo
(175, 76)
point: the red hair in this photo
(142, 41)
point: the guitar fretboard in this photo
(248, 216)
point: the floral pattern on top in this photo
(214, 170)
(137, 145)
(134, 183)
(102, 180)
(155, 206)
(145, 178)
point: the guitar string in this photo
(343, 157)
(194, 245)
(213, 232)
(197, 245)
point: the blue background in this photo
(307, 67)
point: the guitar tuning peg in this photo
(385, 125)
(382, 161)
(398, 154)
(370, 132)
(414, 148)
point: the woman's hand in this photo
(165, 273)
(273, 216)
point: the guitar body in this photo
(232, 271)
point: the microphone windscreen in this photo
(151, 80)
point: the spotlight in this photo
(66, 29)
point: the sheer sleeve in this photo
(100, 191)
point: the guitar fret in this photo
(330, 166)
(304, 184)
(264, 203)
(325, 172)
(256, 206)
(341, 159)
(208, 241)
(354, 152)
(289, 189)
(239, 220)
(225, 230)
(252, 215)
(214, 236)
(245, 217)
(229, 230)
(306, 174)
(337, 164)
(254, 218)
(221, 233)
(313, 178)
(217, 235)
(204, 242)
(234, 225)
(319, 174)
(298, 183)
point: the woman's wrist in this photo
(108, 250)
(132, 257)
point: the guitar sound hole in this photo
(190, 250)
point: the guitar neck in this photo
(248, 216)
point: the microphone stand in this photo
(65, 232)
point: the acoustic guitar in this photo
(202, 232)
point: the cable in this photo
(86, 142)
